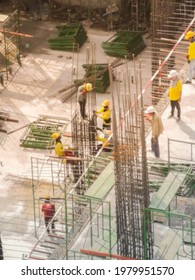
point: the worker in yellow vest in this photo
(190, 36)
(105, 114)
(174, 93)
(62, 152)
(59, 147)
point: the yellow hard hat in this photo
(55, 135)
(106, 103)
(47, 196)
(189, 35)
(88, 87)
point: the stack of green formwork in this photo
(101, 76)
(70, 37)
(38, 134)
(38, 137)
(124, 43)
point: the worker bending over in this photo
(105, 114)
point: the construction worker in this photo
(62, 152)
(48, 209)
(157, 128)
(174, 93)
(190, 36)
(105, 114)
(59, 147)
(82, 97)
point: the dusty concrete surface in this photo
(27, 95)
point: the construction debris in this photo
(70, 37)
(124, 44)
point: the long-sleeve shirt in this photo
(175, 90)
(82, 94)
(157, 126)
(105, 115)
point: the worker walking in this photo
(82, 98)
(190, 36)
(105, 114)
(48, 209)
(157, 128)
(174, 93)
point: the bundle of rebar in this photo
(70, 37)
(131, 176)
(100, 74)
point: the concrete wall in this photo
(87, 3)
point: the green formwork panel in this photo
(124, 44)
(70, 37)
(37, 135)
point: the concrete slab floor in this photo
(28, 95)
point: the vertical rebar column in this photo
(131, 176)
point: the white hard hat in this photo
(150, 109)
(172, 73)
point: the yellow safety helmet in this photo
(55, 135)
(189, 35)
(106, 103)
(88, 86)
(47, 196)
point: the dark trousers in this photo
(47, 220)
(155, 147)
(82, 108)
(176, 104)
(106, 126)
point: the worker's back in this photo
(48, 209)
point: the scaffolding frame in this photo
(12, 42)
(183, 227)
(131, 174)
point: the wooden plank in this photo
(105, 255)
(103, 183)
(56, 236)
(167, 191)
(36, 258)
